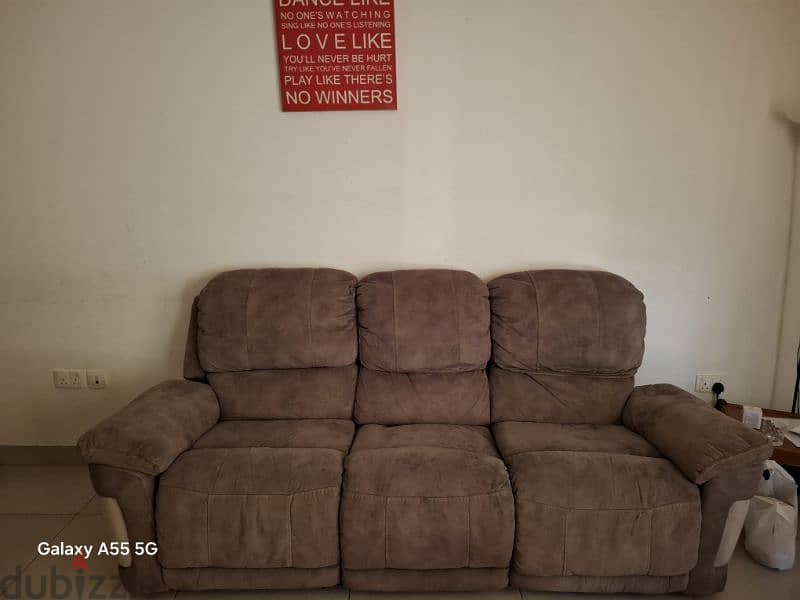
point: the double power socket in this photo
(704, 381)
(79, 378)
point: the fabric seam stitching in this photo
(641, 509)
(386, 533)
(394, 497)
(598, 316)
(208, 529)
(246, 320)
(564, 553)
(458, 314)
(185, 489)
(310, 305)
(538, 318)
(394, 320)
(289, 523)
(469, 531)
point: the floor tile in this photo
(55, 575)
(39, 455)
(747, 579)
(20, 536)
(326, 594)
(93, 508)
(500, 595)
(565, 596)
(44, 490)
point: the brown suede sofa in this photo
(551, 473)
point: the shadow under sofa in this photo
(334, 431)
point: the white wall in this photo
(785, 88)
(142, 150)
(786, 366)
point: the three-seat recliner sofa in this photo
(552, 472)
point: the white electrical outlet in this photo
(96, 379)
(69, 378)
(704, 382)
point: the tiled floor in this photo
(57, 504)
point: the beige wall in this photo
(142, 150)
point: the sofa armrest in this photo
(135, 496)
(700, 440)
(148, 434)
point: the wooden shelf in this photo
(788, 454)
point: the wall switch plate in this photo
(704, 382)
(96, 379)
(69, 378)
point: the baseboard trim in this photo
(39, 455)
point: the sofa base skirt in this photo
(628, 584)
(251, 579)
(437, 580)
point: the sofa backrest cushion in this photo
(423, 345)
(422, 398)
(562, 341)
(277, 343)
(320, 393)
(423, 321)
(255, 319)
(192, 370)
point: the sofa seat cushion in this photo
(516, 437)
(335, 434)
(600, 514)
(250, 508)
(425, 497)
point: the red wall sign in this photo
(336, 54)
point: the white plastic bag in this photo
(771, 524)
